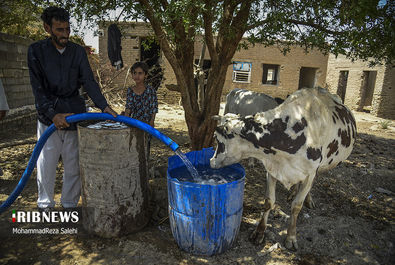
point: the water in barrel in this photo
(206, 175)
(107, 125)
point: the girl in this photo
(141, 100)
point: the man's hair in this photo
(58, 13)
(141, 65)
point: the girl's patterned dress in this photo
(143, 106)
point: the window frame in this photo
(239, 75)
(265, 69)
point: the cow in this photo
(244, 103)
(310, 132)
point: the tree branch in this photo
(160, 33)
(238, 24)
(208, 30)
(313, 25)
(192, 26)
(164, 3)
(297, 22)
(227, 15)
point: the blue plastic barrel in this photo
(204, 219)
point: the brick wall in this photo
(131, 35)
(382, 104)
(258, 55)
(289, 65)
(14, 74)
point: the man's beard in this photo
(57, 41)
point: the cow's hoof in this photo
(291, 244)
(257, 237)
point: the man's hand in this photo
(110, 111)
(127, 113)
(60, 120)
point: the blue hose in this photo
(76, 118)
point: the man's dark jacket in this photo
(57, 77)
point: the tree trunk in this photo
(199, 108)
(200, 76)
(201, 127)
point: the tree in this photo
(22, 18)
(357, 28)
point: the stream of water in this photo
(192, 170)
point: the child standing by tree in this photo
(141, 100)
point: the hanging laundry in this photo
(114, 46)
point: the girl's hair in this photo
(141, 65)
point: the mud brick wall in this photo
(132, 34)
(289, 71)
(14, 75)
(383, 103)
(14, 72)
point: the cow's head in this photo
(228, 142)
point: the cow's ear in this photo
(216, 117)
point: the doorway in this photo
(342, 85)
(150, 54)
(307, 77)
(366, 90)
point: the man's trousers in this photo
(63, 144)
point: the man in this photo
(58, 68)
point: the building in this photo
(361, 87)
(259, 68)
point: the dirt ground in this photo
(352, 223)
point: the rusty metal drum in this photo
(114, 176)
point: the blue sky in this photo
(90, 40)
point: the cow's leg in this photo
(259, 234)
(308, 202)
(296, 206)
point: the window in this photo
(270, 74)
(241, 72)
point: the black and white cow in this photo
(312, 131)
(244, 103)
